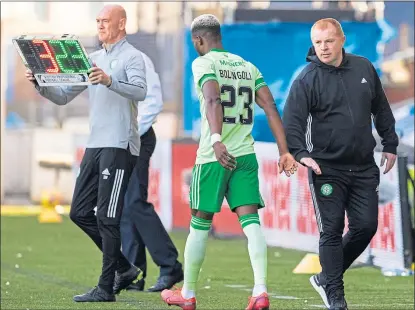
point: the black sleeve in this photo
(296, 110)
(383, 117)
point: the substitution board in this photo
(54, 60)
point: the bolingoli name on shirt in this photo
(238, 75)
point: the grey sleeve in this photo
(135, 88)
(60, 95)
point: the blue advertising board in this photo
(279, 51)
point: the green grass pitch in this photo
(44, 265)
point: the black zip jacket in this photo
(328, 114)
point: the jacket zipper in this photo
(348, 105)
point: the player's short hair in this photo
(206, 25)
(325, 22)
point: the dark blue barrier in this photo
(279, 51)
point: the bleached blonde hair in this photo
(206, 23)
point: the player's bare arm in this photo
(214, 115)
(264, 99)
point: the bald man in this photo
(328, 120)
(118, 80)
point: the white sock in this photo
(187, 294)
(257, 249)
(194, 254)
(259, 289)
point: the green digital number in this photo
(62, 56)
(78, 54)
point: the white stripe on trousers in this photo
(115, 193)
(316, 209)
(308, 134)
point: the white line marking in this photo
(270, 294)
(284, 297)
(236, 285)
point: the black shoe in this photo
(318, 285)
(166, 282)
(137, 286)
(123, 280)
(97, 294)
(337, 301)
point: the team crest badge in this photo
(326, 189)
(113, 63)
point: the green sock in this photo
(257, 249)
(194, 254)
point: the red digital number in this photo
(48, 55)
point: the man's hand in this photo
(310, 163)
(97, 76)
(29, 75)
(223, 157)
(287, 164)
(390, 161)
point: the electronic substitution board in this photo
(54, 60)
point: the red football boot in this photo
(260, 302)
(175, 298)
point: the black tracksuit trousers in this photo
(333, 193)
(102, 182)
(141, 227)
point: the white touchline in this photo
(270, 294)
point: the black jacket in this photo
(329, 110)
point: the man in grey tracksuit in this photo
(118, 84)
